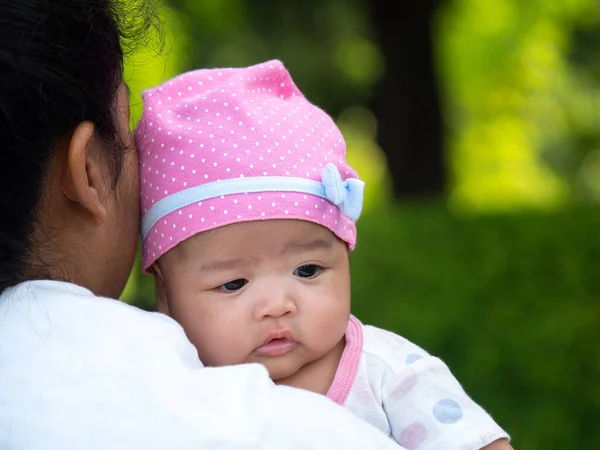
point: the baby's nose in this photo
(276, 304)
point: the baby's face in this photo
(276, 292)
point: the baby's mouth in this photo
(278, 343)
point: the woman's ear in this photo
(162, 302)
(83, 181)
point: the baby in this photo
(249, 211)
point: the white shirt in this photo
(89, 373)
(411, 396)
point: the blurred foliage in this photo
(522, 101)
(500, 279)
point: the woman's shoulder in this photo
(45, 312)
(66, 327)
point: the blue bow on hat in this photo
(347, 195)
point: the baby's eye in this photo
(232, 286)
(308, 271)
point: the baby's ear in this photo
(162, 302)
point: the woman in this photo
(77, 369)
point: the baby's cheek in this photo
(330, 325)
(335, 310)
(218, 345)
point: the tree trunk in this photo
(406, 102)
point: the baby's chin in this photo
(281, 369)
(280, 375)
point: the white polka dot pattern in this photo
(215, 124)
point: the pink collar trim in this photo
(348, 367)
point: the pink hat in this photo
(221, 146)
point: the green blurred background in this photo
(476, 125)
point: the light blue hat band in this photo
(347, 195)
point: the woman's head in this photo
(67, 169)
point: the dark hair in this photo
(61, 63)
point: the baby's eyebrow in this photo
(215, 266)
(304, 245)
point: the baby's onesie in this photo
(407, 393)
